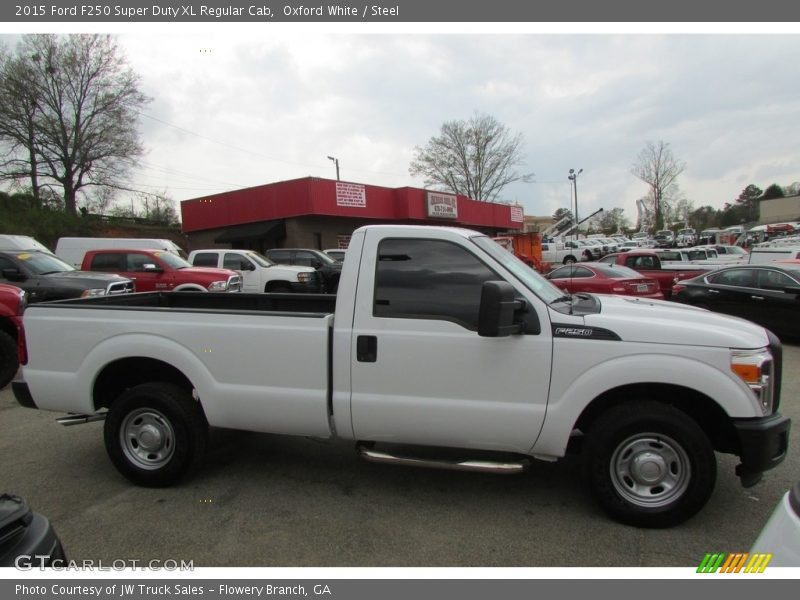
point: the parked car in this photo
(601, 278)
(12, 305)
(156, 270)
(72, 250)
(648, 264)
(46, 277)
(780, 537)
(336, 254)
(765, 294)
(27, 539)
(329, 269)
(258, 273)
(664, 239)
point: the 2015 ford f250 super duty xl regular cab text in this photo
(439, 339)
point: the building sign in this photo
(351, 194)
(442, 206)
(517, 214)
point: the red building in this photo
(322, 213)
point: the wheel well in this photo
(126, 373)
(190, 287)
(9, 328)
(713, 420)
(271, 285)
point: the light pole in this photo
(336, 162)
(573, 177)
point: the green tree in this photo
(476, 158)
(83, 99)
(773, 191)
(612, 221)
(562, 213)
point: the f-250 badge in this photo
(587, 333)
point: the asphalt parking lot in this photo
(264, 500)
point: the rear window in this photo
(205, 259)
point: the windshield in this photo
(260, 259)
(176, 262)
(530, 278)
(42, 264)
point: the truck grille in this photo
(122, 287)
(235, 284)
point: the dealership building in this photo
(323, 213)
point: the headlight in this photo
(218, 286)
(93, 292)
(754, 367)
(305, 277)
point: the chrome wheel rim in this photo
(650, 470)
(147, 438)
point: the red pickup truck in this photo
(159, 271)
(12, 304)
(649, 265)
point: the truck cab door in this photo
(251, 278)
(421, 374)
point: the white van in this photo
(21, 242)
(73, 249)
(771, 254)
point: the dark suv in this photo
(46, 277)
(329, 269)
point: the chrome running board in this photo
(480, 466)
(80, 419)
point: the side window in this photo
(205, 259)
(774, 280)
(562, 272)
(735, 277)
(282, 257)
(429, 279)
(582, 272)
(305, 259)
(234, 261)
(136, 262)
(113, 262)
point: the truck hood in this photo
(84, 277)
(662, 322)
(291, 269)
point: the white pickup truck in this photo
(258, 273)
(439, 338)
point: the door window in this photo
(429, 279)
(205, 259)
(237, 262)
(113, 262)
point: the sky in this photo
(240, 107)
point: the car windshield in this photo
(176, 262)
(260, 259)
(530, 278)
(43, 264)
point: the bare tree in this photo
(659, 169)
(85, 100)
(474, 158)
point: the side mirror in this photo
(13, 274)
(496, 313)
(789, 290)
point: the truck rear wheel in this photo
(649, 464)
(568, 260)
(9, 361)
(154, 433)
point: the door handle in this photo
(367, 348)
(757, 297)
(713, 291)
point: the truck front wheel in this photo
(649, 464)
(154, 433)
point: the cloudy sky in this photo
(241, 107)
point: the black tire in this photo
(9, 359)
(649, 464)
(569, 260)
(167, 417)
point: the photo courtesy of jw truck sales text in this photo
(657, 389)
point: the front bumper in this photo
(763, 444)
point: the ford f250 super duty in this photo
(438, 338)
